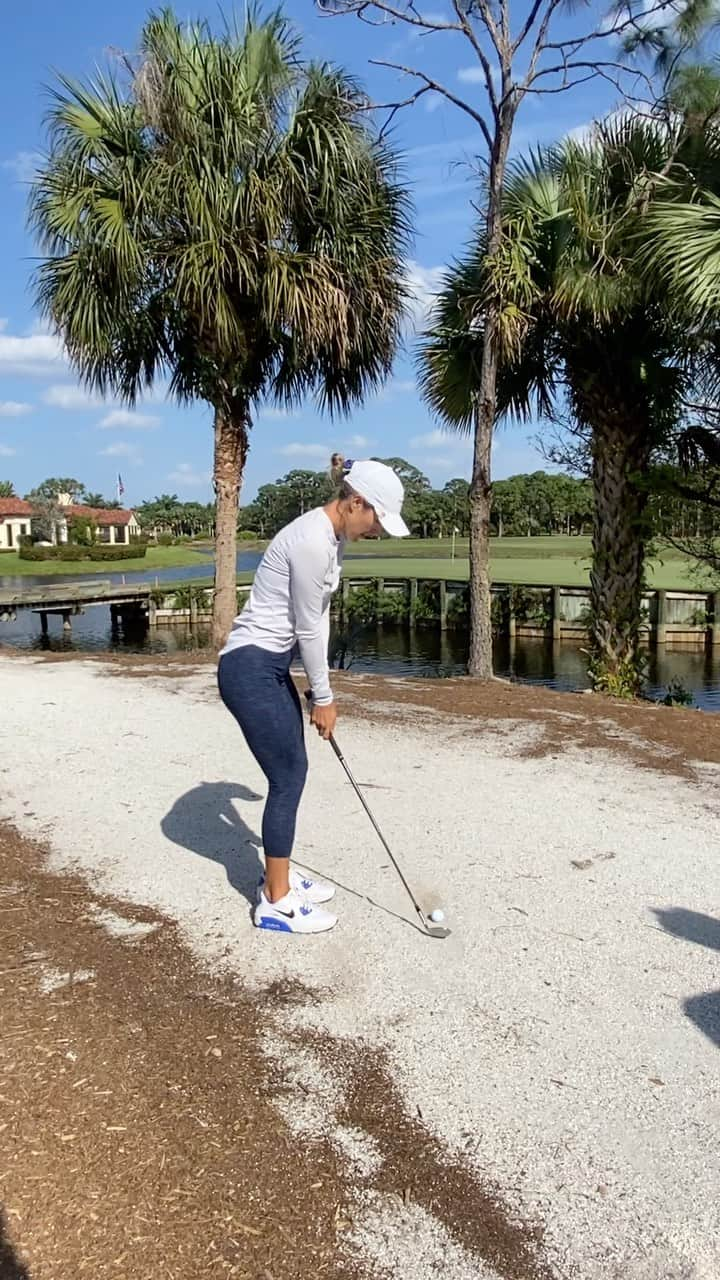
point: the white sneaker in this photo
(292, 914)
(316, 891)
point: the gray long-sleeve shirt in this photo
(290, 598)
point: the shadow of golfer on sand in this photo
(11, 1268)
(205, 821)
(693, 926)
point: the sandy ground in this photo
(559, 1050)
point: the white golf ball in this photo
(437, 916)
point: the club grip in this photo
(308, 698)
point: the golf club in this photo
(432, 930)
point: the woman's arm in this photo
(308, 573)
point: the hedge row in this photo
(70, 551)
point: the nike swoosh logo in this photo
(289, 914)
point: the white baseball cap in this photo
(378, 485)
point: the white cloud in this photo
(432, 102)
(476, 75)
(299, 450)
(6, 451)
(66, 396)
(432, 440)
(471, 75)
(120, 449)
(14, 409)
(130, 419)
(272, 412)
(24, 165)
(434, 461)
(423, 284)
(584, 133)
(40, 355)
(358, 442)
(186, 476)
(443, 149)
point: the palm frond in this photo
(227, 214)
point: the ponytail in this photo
(339, 468)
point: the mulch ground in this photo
(668, 739)
(138, 1136)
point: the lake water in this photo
(393, 651)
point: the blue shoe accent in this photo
(307, 884)
(272, 922)
(305, 910)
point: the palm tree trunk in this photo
(620, 455)
(232, 424)
(480, 658)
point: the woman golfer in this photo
(288, 610)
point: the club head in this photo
(437, 931)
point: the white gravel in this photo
(565, 1038)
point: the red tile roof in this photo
(14, 507)
(98, 515)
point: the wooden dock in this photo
(68, 599)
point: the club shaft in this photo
(380, 835)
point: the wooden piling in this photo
(443, 604)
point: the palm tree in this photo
(222, 215)
(7, 489)
(584, 326)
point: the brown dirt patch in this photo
(666, 739)
(131, 665)
(137, 1137)
(417, 1169)
(137, 1131)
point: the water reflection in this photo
(395, 651)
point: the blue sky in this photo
(50, 426)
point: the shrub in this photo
(427, 605)
(125, 552)
(677, 695)
(69, 551)
(189, 593)
(81, 530)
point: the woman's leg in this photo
(256, 687)
(286, 787)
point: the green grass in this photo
(559, 561)
(156, 558)
(556, 561)
(441, 548)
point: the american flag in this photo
(120, 487)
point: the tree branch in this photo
(539, 42)
(603, 32)
(409, 15)
(601, 69)
(482, 56)
(436, 87)
(527, 27)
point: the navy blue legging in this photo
(256, 686)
